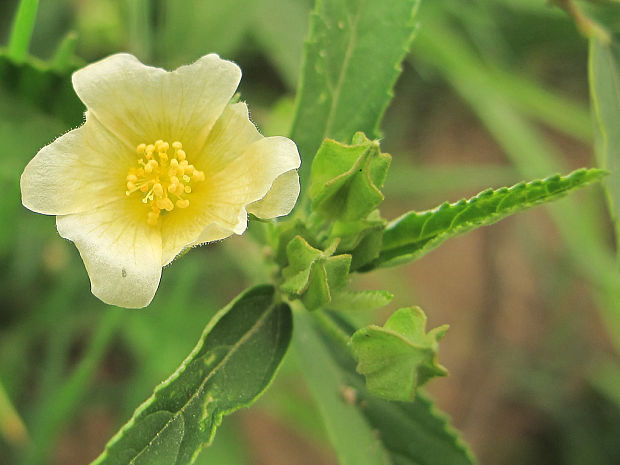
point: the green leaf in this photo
(351, 62)
(189, 28)
(362, 427)
(416, 233)
(280, 27)
(415, 433)
(398, 357)
(45, 88)
(443, 48)
(604, 68)
(314, 275)
(232, 364)
(346, 179)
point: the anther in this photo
(158, 190)
(161, 177)
(167, 204)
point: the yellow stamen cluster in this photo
(163, 178)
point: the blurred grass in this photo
(21, 31)
(514, 71)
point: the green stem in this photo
(23, 25)
(330, 328)
(63, 402)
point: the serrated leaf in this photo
(604, 69)
(415, 233)
(313, 274)
(360, 301)
(399, 357)
(363, 428)
(232, 364)
(346, 179)
(351, 61)
(415, 433)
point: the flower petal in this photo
(250, 176)
(212, 233)
(240, 167)
(81, 170)
(229, 137)
(141, 104)
(121, 252)
(280, 199)
(206, 219)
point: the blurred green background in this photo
(494, 91)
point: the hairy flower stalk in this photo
(163, 162)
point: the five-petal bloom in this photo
(163, 162)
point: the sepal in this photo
(400, 356)
(314, 275)
(346, 179)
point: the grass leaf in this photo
(21, 32)
(604, 69)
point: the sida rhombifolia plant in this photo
(166, 161)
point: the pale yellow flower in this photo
(163, 162)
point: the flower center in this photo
(162, 179)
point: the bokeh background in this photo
(494, 91)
